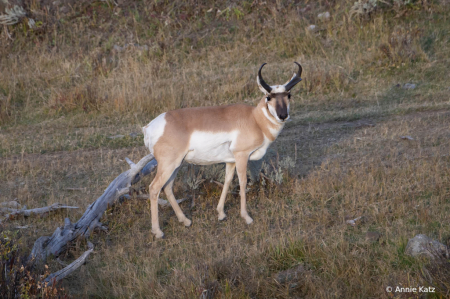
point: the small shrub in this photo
(437, 274)
(18, 279)
(215, 172)
(403, 46)
(83, 98)
(367, 8)
(364, 8)
(194, 179)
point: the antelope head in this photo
(278, 96)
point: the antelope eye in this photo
(289, 96)
(268, 98)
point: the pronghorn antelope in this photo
(231, 134)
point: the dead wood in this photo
(10, 204)
(57, 243)
(57, 276)
(38, 211)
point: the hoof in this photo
(187, 222)
(158, 234)
(248, 219)
(222, 216)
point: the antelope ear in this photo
(261, 87)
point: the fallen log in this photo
(57, 243)
(37, 211)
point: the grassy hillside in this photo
(374, 72)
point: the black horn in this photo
(294, 80)
(261, 80)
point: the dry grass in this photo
(65, 90)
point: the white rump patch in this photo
(207, 148)
(153, 131)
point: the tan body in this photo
(225, 134)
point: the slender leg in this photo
(168, 189)
(229, 173)
(163, 174)
(241, 166)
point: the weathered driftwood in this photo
(57, 243)
(10, 204)
(57, 276)
(37, 211)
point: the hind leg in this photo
(168, 189)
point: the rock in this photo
(352, 222)
(292, 274)
(325, 16)
(312, 27)
(373, 236)
(409, 86)
(407, 137)
(423, 246)
(116, 136)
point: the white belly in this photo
(209, 148)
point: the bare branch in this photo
(131, 163)
(57, 276)
(37, 211)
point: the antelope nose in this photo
(283, 116)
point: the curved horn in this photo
(261, 80)
(295, 79)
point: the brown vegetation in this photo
(70, 83)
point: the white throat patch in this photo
(278, 124)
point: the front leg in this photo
(241, 167)
(229, 173)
